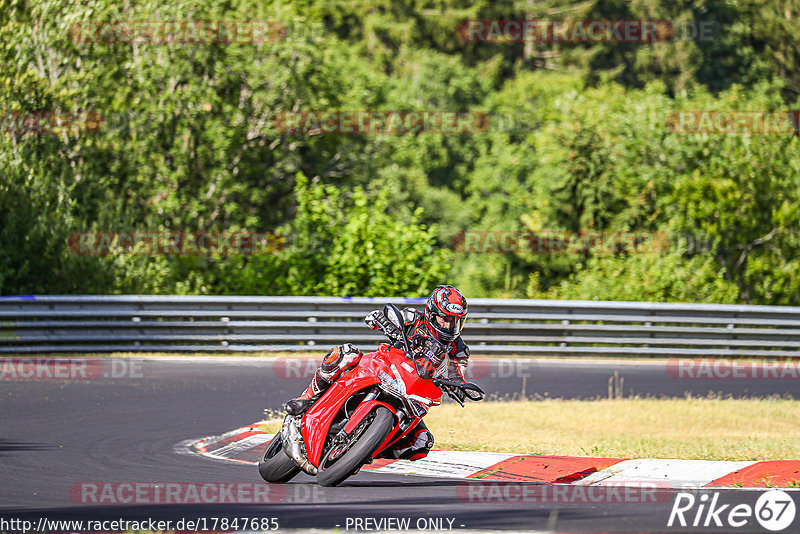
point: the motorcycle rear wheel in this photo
(333, 474)
(274, 465)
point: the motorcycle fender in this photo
(361, 412)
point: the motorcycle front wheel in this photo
(274, 465)
(333, 472)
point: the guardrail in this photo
(537, 327)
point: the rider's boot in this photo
(313, 392)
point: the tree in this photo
(344, 246)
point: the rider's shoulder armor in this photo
(412, 320)
(411, 315)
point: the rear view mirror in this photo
(393, 314)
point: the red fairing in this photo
(317, 421)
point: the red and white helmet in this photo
(445, 313)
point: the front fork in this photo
(293, 445)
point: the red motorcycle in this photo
(362, 414)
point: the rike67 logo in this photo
(774, 511)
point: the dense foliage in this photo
(579, 141)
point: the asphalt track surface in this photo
(56, 434)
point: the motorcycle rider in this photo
(435, 333)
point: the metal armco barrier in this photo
(32, 324)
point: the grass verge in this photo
(690, 428)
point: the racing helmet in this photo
(445, 313)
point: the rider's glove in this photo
(372, 320)
(376, 320)
(456, 394)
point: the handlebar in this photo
(471, 390)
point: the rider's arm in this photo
(376, 320)
(459, 359)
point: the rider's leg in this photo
(414, 445)
(338, 360)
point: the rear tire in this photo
(274, 465)
(359, 452)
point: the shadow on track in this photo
(8, 446)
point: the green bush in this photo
(579, 141)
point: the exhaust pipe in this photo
(293, 445)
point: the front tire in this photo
(365, 445)
(274, 465)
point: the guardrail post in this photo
(567, 332)
(732, 326)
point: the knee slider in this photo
(350, 356)
(330, 363)
(428, 437)
(348, 349)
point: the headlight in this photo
(419, 405)
(395, 386)
(418, 409)
(391, 385)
